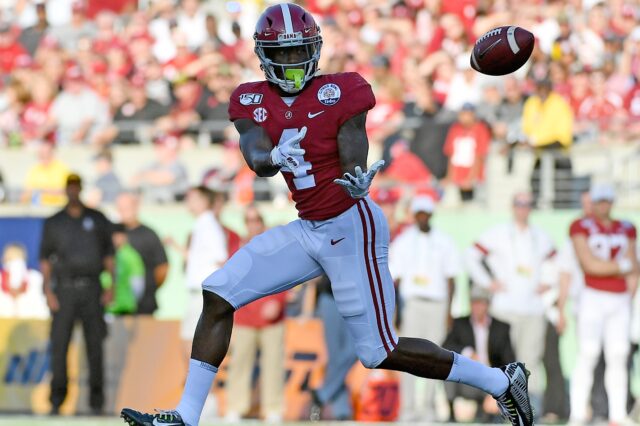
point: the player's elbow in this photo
(264, 171)
(267, 173)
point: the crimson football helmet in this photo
(285, 26)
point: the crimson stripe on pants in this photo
(371, 285)
(375, 266)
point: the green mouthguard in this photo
(295, 74)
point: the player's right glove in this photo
(285, 152)
(358, 185)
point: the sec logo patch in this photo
(329, 94)
(260, 114)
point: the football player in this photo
(311, 128)
(605, 250)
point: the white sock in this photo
(472, 373)
(196, 389)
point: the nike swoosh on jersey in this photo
(485, 51)
(334, 242)
(311, 115)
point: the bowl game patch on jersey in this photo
(329, 94)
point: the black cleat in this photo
(161, 418)
(514, 403)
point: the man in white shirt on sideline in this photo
(206, 251)
(514, 261)
(426, 262)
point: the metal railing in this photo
(557, 187)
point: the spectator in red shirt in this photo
(259, 325)
(120, 7)
(105, 34)
(35, 116)
(11, 51)
(632, 108)
(467, 146)
(450, 36)
(406, 167)
(118, 62)
(600, 107)
(387, 199)
(466, 10)
(141, 50)
(580, 92)
(184, 56)
(385, 118)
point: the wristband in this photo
(275, 155)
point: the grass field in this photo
(113, 421)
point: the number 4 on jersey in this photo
(301, 179)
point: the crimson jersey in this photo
(323, 106)
(607, 244)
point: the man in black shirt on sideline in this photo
(76, 247)
(148, 244)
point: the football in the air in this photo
(502, 50)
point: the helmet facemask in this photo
(290, 77)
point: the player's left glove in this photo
(358, 185)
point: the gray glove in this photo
(358, 185)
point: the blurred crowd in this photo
(103, 74)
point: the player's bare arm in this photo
(592, 265)
(353, 147)
(634, 275)
(256, 147)
(353, 144)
